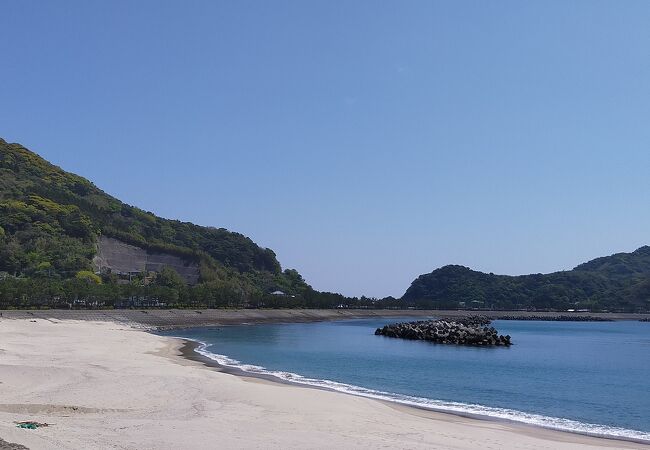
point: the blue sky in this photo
(366, 142)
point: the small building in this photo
(278, 293)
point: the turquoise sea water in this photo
(587, 377)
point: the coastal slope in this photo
(63, 240)
(107, 385)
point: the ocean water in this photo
(586, 377)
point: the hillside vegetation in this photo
(50, 221)
(619, 282)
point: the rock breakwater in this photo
(470, 330)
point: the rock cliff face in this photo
(472, 330)
(118, 257)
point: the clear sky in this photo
(366, 142)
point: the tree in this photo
(88, 276)
(168, 277)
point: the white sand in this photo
(103, 385)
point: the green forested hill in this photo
(50, 221)
(39, 199)
(620, 282)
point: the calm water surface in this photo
(590, 377)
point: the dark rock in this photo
(4, 445)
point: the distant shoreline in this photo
(165, 319)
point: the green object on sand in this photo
(29, 425)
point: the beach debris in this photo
(31, 425)
(470, 330)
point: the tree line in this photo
(166, 289)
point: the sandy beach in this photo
(108, 385)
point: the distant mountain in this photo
(52, 223)
(620, 282)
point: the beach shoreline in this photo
(109, 385)
(170, 319)
(188, 350)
